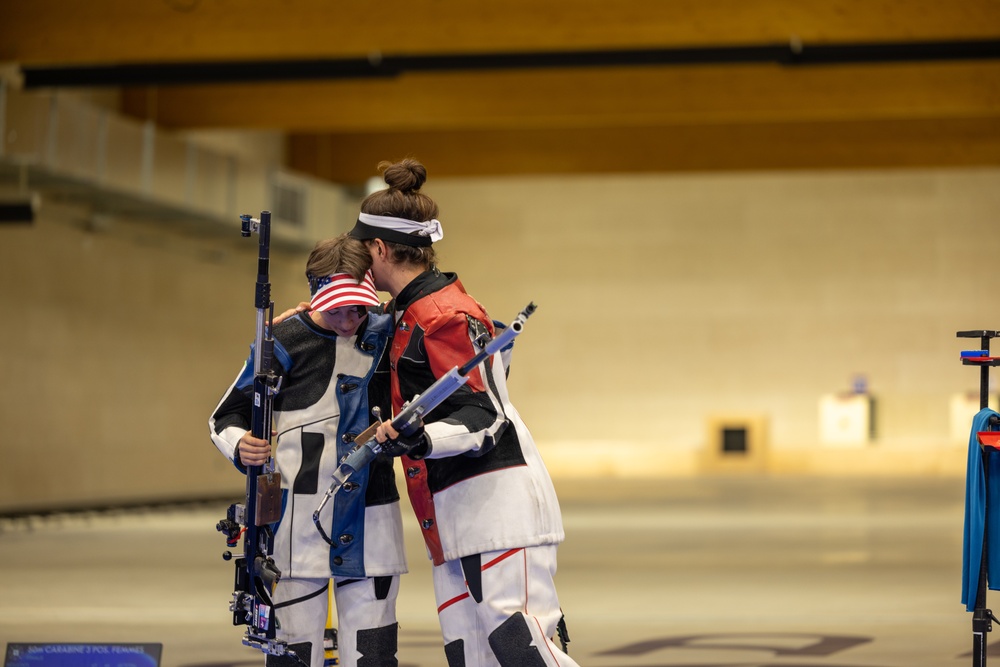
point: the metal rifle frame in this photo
(409, 418)
(256, 573)
(982, 618)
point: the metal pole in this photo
(981, 616)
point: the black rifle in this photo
(256, 573)
(408, 420)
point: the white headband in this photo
(431, 228)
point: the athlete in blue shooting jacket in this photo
(333, 363)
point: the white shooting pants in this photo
(508, 617)
(366, 619)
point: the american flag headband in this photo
(317, 282)
(341, 289)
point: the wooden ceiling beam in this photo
(601, 119)
(53, 32)
(851, 144)
(576, 98)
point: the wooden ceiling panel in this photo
(601, 97)
(353, 157)
(756, 115)
(40, 32)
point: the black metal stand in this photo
(982, 618)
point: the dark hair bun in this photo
(407, 175)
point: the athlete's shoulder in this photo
(445, 306)
(299, 332)
(380, 323)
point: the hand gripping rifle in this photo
(256, 573)
(408, 420)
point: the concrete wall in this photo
(120, 338)
(668, 305)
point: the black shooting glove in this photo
(415, 445)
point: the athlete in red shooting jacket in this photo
(483, 498)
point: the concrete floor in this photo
(734, 572)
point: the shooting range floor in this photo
(737, 572)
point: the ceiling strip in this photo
(380, 66)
